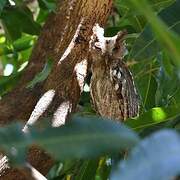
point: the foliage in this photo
(89, 147)
(16, 43)
(85, 136)
(42, 75)
(144, 163)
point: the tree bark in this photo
(65, 39)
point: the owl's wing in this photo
(125, 89)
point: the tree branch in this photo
(65, 39)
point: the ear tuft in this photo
(121, 35)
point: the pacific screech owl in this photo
(112, 87)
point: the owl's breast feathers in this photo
(113, 91)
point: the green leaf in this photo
(154, 116)
(167, 65)
(23, 43)
(81, 138)
(146, 46)
(42, 16)
(14, 142)
(47, 4)
(42, 75)
(147, 85)
(161, 4)
(156, 157)
(150, 93)
(168, 91)
(85, 137)
(88, 170)
(130, 16)
(16, 20)
(8, 82)
(104, 169)
(2, 5)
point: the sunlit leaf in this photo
(154, 116)
(16, 20)
(23, 43)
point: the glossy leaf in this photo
(22, 19)
(154, 116)
(23, 43)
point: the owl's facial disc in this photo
(111, 46)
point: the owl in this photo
(112, 88)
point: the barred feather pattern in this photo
(112, 87)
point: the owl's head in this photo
(107, 46)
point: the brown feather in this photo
(112, 88)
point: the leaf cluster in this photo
(90, 147)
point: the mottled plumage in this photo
(112, 87)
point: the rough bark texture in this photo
(16, 174)
(56, 36)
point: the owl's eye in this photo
(98, 48)
(115, 48)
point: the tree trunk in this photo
(64, 39)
